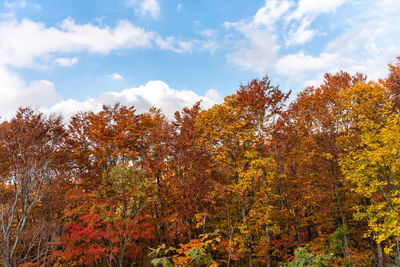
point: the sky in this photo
(66, 56)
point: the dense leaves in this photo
(254, 180)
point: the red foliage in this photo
(97, 237)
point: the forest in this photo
(255, 181)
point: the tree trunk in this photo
(7, 261)
(346, 244)
(381, 260)
(372, 242)
(267, 233)
(230, 251)
(397, 248)
(347, 249)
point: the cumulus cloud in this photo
(15, 92)
(153, 93)
(367, 45)
(28, 44)
(300, 63)
(22, 42)
(115, 76)
(66, 61)
(150, 7)
(31, 44)
(274, 39)
(276, 21)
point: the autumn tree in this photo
(234, 133)
(99, 141)
(313, 126)
(392, 82)
(188, 179)
(114, 226)
(371, 161)
(32, 156)
(247, 182)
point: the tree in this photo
(372, 160)
(31, 147)
(392, 82)
(314, 128)
(188, 177)
(116, 223)
(234, 133)
(99, 141)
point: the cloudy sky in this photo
(63, 56)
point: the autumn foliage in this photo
(254, 181)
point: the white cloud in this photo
(21, 4)
(271, 12)
(23, 42)
(150, 7)
(208, 33)
(314, 83)
(301, 18)
(210, 46)
(146, 7)
(28, 43)
(274, 23)
(174, 45)
(66, 61)
(314, 8)
(13, 5)
(212, 43)
(37, 6)
(295, 65)
(31, 44)
(301, 35)
(367, 46)
(179, 7)
(273, 39)
(115, 76)
(213, 96)
(15, 92)
(104, 40)
(259, 50)
(153, 93)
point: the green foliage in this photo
(302, 258)
(336, 240)
(162, 256)
(199, 256)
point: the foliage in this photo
(302, 258)
(250, 181)
(197, 251)
(162, 256)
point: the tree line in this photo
(254, 181)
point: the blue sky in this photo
(63, 56)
